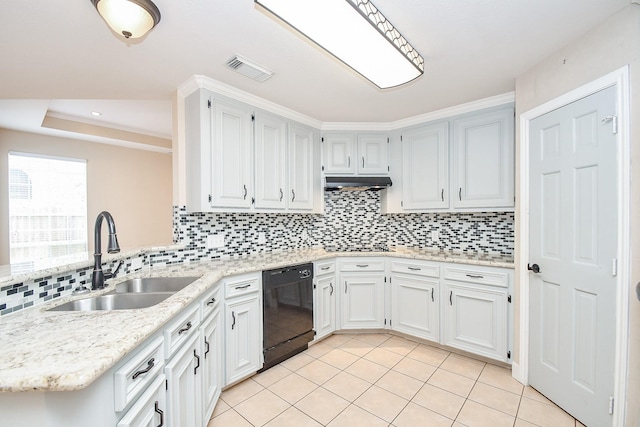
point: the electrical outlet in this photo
(136, 264)
(215, 241)
(304, 234)
(262, 238)
(435, 235)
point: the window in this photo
(47, 211)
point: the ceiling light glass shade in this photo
(130, 18)
(355, 32)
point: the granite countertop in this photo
(56, 351)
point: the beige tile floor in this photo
(383, 380)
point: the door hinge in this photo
(208, 103)
(166, 384)
(614, 121)
(509, 298)
(400, 137)
(611, 405)
(385, 279)
(614, 267)
(322, 139)
(210, 198)
(388, 169)
(387, 140)
(323, 167)
(253, 117)
(401, 203)
(508, 355)
(385, 322)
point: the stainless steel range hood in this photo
(356, 183)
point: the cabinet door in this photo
(362, 301)
(243, 343)
(300, 166)
(184, 392)
(325, 307)
(414, 306)
(231, 156)
(483, 160)
(476, 319)
(212, 357)
(149, 409)
(271, 161)
(425, 168)
(339, 152)
(373, 154)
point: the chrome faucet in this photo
(98, 276)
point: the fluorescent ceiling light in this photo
(129, 18)
(355, 32)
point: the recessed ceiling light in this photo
(96, 113)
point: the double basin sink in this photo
(131, 294)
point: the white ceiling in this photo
(62, 54)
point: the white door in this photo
(271, 139)
(242, 339)
(363, 301)
(573, 228)
(231, 156)
(211, 340)
(425, 167)
(300, 166)
(414, 306)
(339, 152)
(483, 160)
(373, 154)
(325, 308)
(183, 391)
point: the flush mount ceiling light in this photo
(355, 32)
(130, 18)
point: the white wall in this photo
(606, 48)
(135, 186)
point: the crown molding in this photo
(202, 82)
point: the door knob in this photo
(535, 268)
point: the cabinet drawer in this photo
(363, 264)
(150, 407)
(324, 267)
(241, 285)
(210, 301)
(416, 268)
(480, 276)
(136, 374)
(178, 331)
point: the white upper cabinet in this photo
(238, 159)
(231, 155)
(271, 161)
(373, 154)
(425, 172)
(355, 154)
(339, 153)
(483, 160)
(300, 167)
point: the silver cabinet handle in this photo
(460, 193)
(159, 412)
(325, 268)
(331, 285)
(245, 192)
(348, 161)
(451, 298)
(475, 276)
(243, 286)
(233, 315)
(281, 194)
(293, 195)
(362, 162)
(414, 268)
(362, 265)
(442, 194)
(345, 286)
(432, 300)
(186, 328)
(150, 365)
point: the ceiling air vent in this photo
(249, 69)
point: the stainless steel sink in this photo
(154, 284)
(114, 302)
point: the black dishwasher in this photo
(287, 302)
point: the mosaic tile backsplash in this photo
(351, 219)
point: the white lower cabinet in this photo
(475, 319)
(184, 391)
(149, 409)
(212, 360)
(243, 327)
(362, 293)
(325, 305)
(415, 306)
